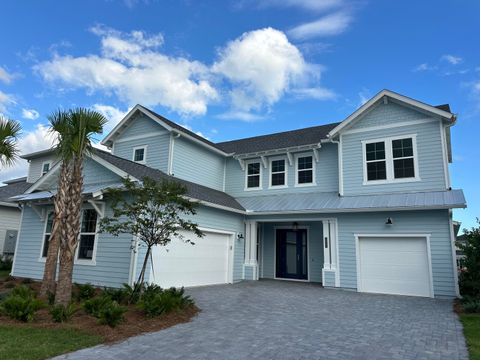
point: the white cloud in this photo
(317, 93)
(240, 115)
(310, 5)
(5, 76)
(424, 67)
(199, 133)
(364, 95)
(452, 59)
(133, 69)
(332, 24)
(30, 114)
(113, 114)
(5, 101)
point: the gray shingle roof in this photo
(194, 190)
(14, 187)
(286, 139)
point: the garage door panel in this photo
(394, 266)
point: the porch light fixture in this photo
(389, 221)
(295, 226)
(239, 236)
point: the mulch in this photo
(135, 322)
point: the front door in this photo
(291, 254)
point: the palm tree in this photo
(75, 129)
(9, 132)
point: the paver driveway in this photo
(287, 320)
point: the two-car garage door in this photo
(207, 262)
(393, 265)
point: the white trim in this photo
(170, 155)
(454, 254)
(426, 236)
(49, 162)
(260, 184)
(8, 204)
(337, 249)
(41, 257)
(314, 170)
(18, 241)
(389, 160)
(290, 158)
(303, 227)
(224, 174)
(415, 103)
(221, 207)
(285, 173)
(264, 161)
(144, 160)
(281, 151)
(389, 126)
(111, 167)
(93, 260)
(444, 155)
(139, 137)
(43, 179)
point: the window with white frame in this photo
(45, 167)
(140, 154)
(305, 170)
(391, 159)
(278, 172)
(47, 233)
(88, 233)
(254, 173)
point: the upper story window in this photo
(390, 160)
(45, 167)
(305, 170)
(278, 173)
(254, 175)
(140, 154)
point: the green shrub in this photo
(6, 264)
(469, 277)
(93, 306)
(21, 304)
(84, 292)
(61, 313)
(27, 281)
(157, 302)
(9, 285)
(126, 295)
(471, 306)
(111, 314)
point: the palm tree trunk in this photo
(69, 243)
(50, 271)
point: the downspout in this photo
(340, 165)
(172, 143)
(133, 261)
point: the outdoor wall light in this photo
(389, 221)
(239, 236)
(295, 226)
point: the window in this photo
(87, 234)
(391, 160)
(47, 233)
(253, 175)
(140, 154)
(305, 170)
(278, 172)
(45, 168)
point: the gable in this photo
(140, 125)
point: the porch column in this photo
(250, 266)
(330, 272)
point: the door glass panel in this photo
(291, 253)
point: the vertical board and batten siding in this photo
(9, 220)
(195, 163)
(157, 145)
(314, 252)
(326, 175)
(429, 151)
(35, 167)
(433, 222)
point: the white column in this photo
(251, 248)
(330, 263)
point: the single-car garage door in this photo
(393, 265)
(207, 262)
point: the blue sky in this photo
(231, 69)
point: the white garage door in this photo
(207, 262)
(393, 265)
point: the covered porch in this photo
(293, 249)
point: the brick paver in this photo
(288, 320)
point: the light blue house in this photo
(364, 204)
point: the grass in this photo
(471, 329)
(28, 343)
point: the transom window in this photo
(253, 175)
(392, 159)
(277, 173)
(45, 168)
(87, 234)
(305, 170)
(139, 154)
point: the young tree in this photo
(469, 278)
(153, 211)
(9, 132)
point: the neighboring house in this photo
(364, 204)
(10, 214)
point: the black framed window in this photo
(278, 172)
(376, 161)
(305, 170)
(253, 175)
(403, 159)
(87, 234)
(46, 235)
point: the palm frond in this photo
(9, 132)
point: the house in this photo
(364, 204)
(10, 214)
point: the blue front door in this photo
(291, 254)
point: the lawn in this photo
(29, 343)
(471, 329)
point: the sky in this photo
(232, 69)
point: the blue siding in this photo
(326, 176)
(141, 125)
(430, 160)
(329, 279)
(94, 173)
(35, 166)
(196, 163)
